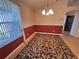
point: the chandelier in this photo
(48, 10)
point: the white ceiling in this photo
(73, 2)
(37, 4)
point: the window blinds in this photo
(10, 22)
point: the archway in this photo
(69, 22)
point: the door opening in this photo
(68, 24)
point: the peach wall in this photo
(26, 15)
(30, 17)
(60, 8)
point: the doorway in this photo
(68, 24)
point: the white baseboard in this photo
(48, 33)
(29, 39)
(13, 54)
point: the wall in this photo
(27, 19)
(75, 27)
(35, 21)
(13, 42)
(48, 29)
(6, 50)
(27, 23)
(60, 9)
(27, 15)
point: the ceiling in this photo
(37, 4)
(73, 2)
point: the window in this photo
(10, 22)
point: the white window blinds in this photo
(10, 22)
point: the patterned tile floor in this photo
(44, 46)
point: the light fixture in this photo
(48, 10)
(47, 14)
(51, 12)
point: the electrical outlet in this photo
(27, 34)
(53, 30)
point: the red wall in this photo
(48, 29)
(28, 31)
(6, 50)
(42, 28)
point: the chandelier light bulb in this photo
(47, 13)
(43, 12)
(51, 12)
